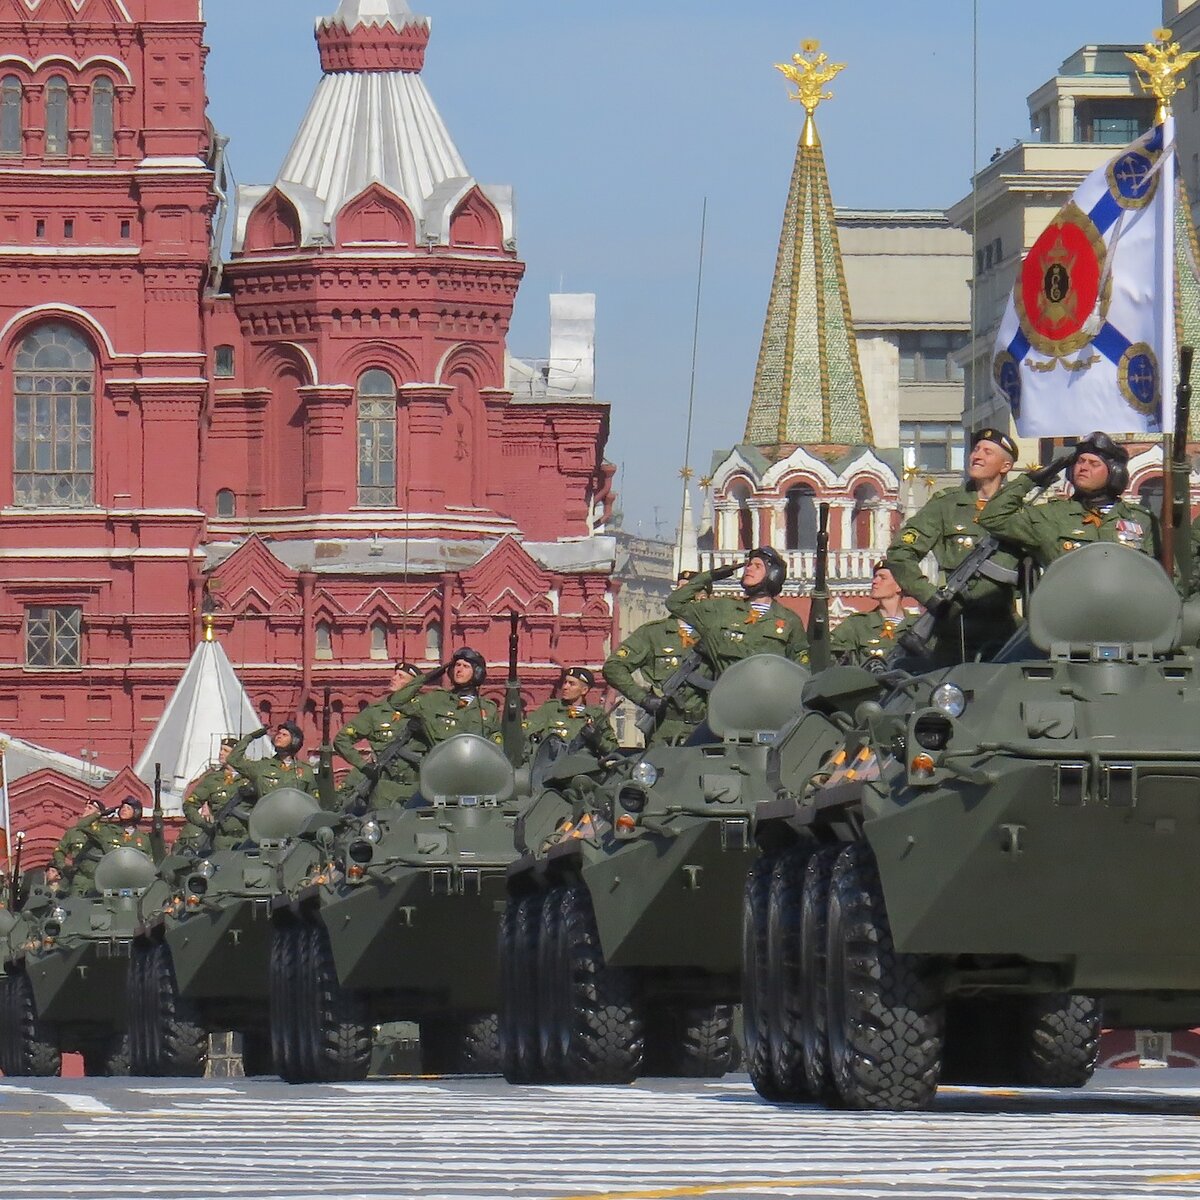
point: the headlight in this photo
(197, 884)
(645, 773)
(371, 832)
(58, 914)
(205, 868)
(949, 698)
(933, 731)
(632, 799)
(361, 852)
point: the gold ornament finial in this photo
(207, 621)
(706, 482)
(686, 473)
(1160, 70)
(810, 71)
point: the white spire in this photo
(687, 555)
(352, 13)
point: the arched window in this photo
(12, 139)
(379, 646)
(54, 388)
(745, 518)
(57, 98)
(800, 518)
(1151, 494)
(226, 503)
(433, 643)
(866, 500)
(102, 116)
(376, 440)
(324, 641)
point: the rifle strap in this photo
(998, 574)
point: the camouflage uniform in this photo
(557, 718)
(379, 724)
(949, 528)
(1050, 530)
(216, 787)
(656, 649)
(270, 774)
(868, 635)
(440, 714)
(81, 848)
(732, 628)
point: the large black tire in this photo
(886, 1012)
(135, 1010)
(814, 975)
(33, 1049)
(553, 991)
(785, 1003)
(170, 1026)
(341, 1032)
(756, 1029)
(1060, 1040)
(606, 1041)
(523, 1064)
(257, 1059)
(108, 1056)
(284, 980)
(506, 945)
(689, 1041)
(461, 1045)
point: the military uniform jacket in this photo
(732, 629)
(88, 841)
(949, 527)
(558, 719)
(656, 649)
(270, 774)
(440, 714)
(216, 787)
(868, 635)
(1057, 527)
(380, 724)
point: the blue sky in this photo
(615, 119)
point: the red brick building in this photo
(323, 440)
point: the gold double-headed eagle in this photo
(1160, 69)
(810, 71)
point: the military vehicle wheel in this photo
(553, 990)
(1060, 1040)
(170, 1026)
(506, 940)
(886, 1014)
(522, 1061)
(33, 1050)
(284, 979)
(107, 1057)
(342, 1041)
(689, 1041)
(785, 1000)
(756, 1031)
(257, 1059)
(814, 976)
(606, 1033)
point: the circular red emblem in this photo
(1059, 284)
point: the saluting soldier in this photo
(654, 651)
(213, 791)
(867, 637)
(440, 713)
(731, 628)
(379, 724)
(81, 848)
(283, 770)
(569, 716)
(1098, 469)
(949, 528)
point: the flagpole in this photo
(1166, 284)
(5, 812)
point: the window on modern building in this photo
(925, 355)
(376, 440)
(379, 640)
(54, 386)
(433, 643)
(224, 362)
(800, 518)
(226, 503)
(12, 100)
(53, 636)
(102, 116)
(324, 640)
(936, 446)
(57, 99)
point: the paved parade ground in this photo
(1131, 1133)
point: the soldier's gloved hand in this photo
(1045, 476)
(726, 572)
(372, 771)
(653, 705)
(939, 604)
(261, 731)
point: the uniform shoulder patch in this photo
(908, 537)
(622, 652)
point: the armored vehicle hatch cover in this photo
(756, 696)
(281, 814)
(1105, 601)
(124, 870)
(466, 768)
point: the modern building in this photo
(322, 443)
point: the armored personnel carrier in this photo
(199, 962)
(64, 983)
(620, 942)
(392, 917)
(994, 852)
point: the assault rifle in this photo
(325, 790)
(158, 841)
(512, 731)
(357, 801)
(648, 722)
(818, 615)
(1176, 547)
(14, 867)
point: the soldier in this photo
(81, 848)
(379, 724)
(869, 637)
(214, 790)
(1098, 469)
(569, 716)
(655, 650)
(729, 629)
(441, 713)
(948, 527)
(283, 770)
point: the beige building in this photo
(1093, 104)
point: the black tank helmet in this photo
(1115, 456)
(478, 665)
(772, 583)
(297, 736)
(133, 803)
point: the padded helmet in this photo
(478, 665)
(133, 803)
(773, 581)
(1115, 456)
(297, 735)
